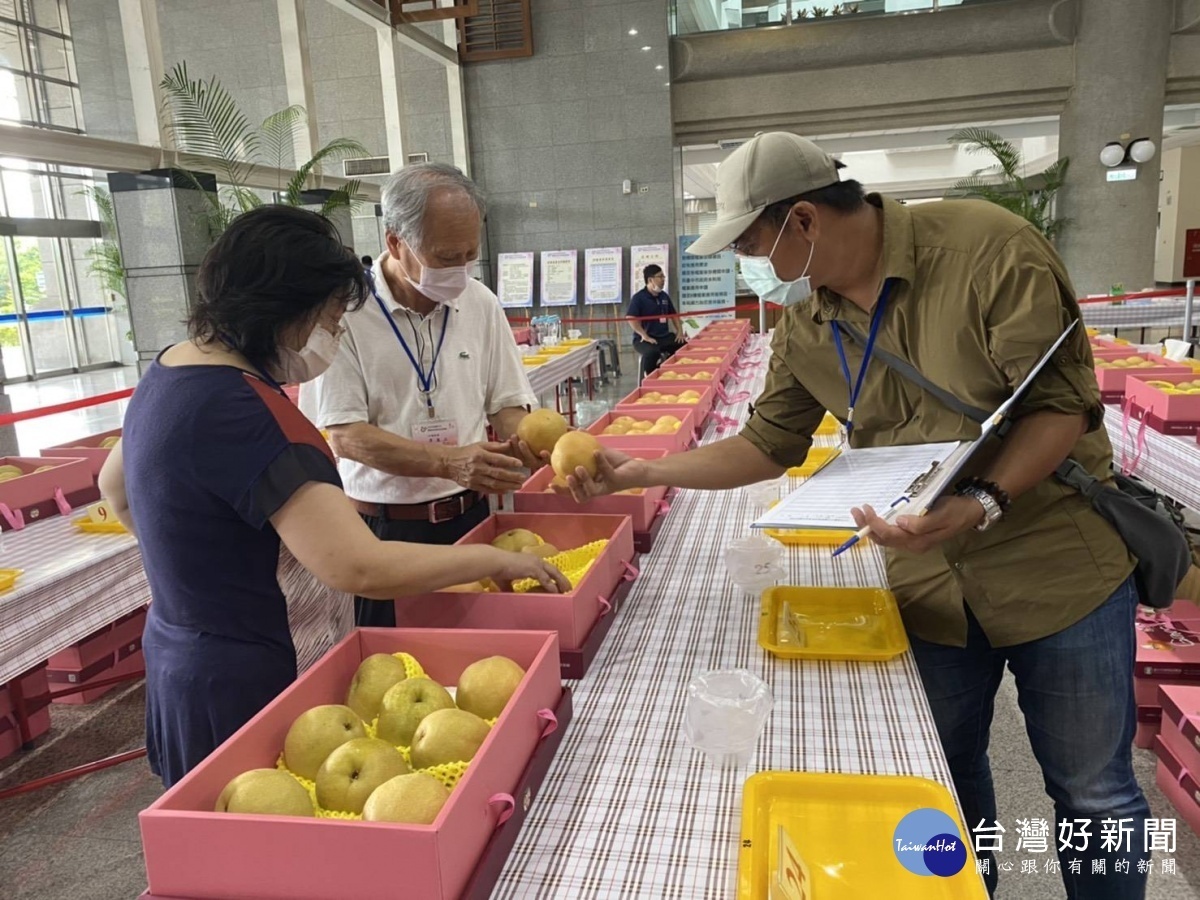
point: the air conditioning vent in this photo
(730, 145)
(366, 165)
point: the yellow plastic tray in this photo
(87, 525)
(576, 342)
(828, 426)
(831, 623)
(560, 350)
(843, 827)
(808, 537)
(535, 359)
(8, 579)
(817, 459)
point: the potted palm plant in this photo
(1005, 183)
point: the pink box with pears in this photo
(1113, 367)
(613, 429)
(1170, 404)
(34, 488)
(196, 853)
(94, 448)
(662, 398)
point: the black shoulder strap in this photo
(1070, 472)
(909, 372)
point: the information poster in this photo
(514, 284)
(602, 275)
(706, 282)
(645, 255)
(559, 268)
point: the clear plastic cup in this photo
(574, 334)
(725, 713)
(754, 563)
(764, 494)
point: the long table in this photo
(559, 368)
(628, 808)
(72, 584)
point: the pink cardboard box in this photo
(672, 443)
(1178, 784)
(66, 484)
(34, 692)
(1168, 652)
(1112, 381)
(1181, 723)
(1165, 413)
(96, 679)
(194, 853)
(688, 376)
(86, 448)
(642, 509)
(702, 407)
(1149, 719)
(572, 615)
(101, 643)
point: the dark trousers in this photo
(654, 354)
(1075, 689)
(370, 613)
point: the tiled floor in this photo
(35, 434)
(79, 840)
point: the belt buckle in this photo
(454, 506)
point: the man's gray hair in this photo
(407, 193)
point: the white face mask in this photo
(310, 361)
(760, 276)
(440, 285)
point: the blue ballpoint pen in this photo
(863, 532)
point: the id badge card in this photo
(436, 431)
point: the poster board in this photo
(514, 280)
(602, 275)
(559, 277)
(705, 282)
(644, 255)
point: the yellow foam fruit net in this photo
(447, 773)
(574, 564)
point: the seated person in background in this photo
(218, 471)
(652, 338)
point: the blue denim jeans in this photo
(1075, 689)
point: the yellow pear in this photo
(485, 686)
(413, 799)
(354, 770)
(516, 539)
(574, 450)
(109, 442)
(265, 792)
(447, 736)
(543, 551)
(405, 705)
(316, 733)
(541, 429)
(375, 675)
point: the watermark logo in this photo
(927, 842)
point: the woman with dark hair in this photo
(218, 469)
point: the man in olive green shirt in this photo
(1011, 568)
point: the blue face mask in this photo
(759, 274)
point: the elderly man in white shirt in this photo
(424, 367)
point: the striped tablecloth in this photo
(1166, 313)
(1168, 464)
(558, 369)
(72, 585)
(628, 808)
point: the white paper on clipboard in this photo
(906, 479)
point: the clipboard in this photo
(906, 479)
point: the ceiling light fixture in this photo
(1114, 153)
(632, 32)
(647, 47)
(658, 68)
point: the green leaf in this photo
(278, 136)
(337, 149)
(204, 119)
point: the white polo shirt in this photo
(478, 373)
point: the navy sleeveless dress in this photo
(210, 454)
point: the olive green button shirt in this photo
(978, 296)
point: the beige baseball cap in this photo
(766, 169)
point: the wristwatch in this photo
(991, 509)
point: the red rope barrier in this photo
(25, 415)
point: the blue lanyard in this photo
(855, 386)
(425, 379)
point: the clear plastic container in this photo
(725, 713)
(754, 564)
(765, 494)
